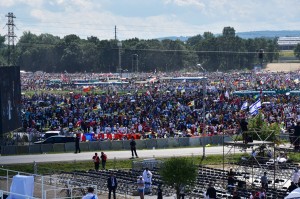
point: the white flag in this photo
(244, 106)
(253, 109)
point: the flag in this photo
(98, 107)
(253, 109)
(86, 89)
(244, 106)
(227, 94)
(191, 103)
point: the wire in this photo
(152, 49)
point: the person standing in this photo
(264, 181)
(133, 148)
(159, 192)
(103, 159)
(141, 186)
(147, 175)
(211, 191)
(244, 129)
(77, 147)
(90, 194)
(96, 160)
(112, 184)
(297, 136)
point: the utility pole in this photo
(11, 38)
(115, 32)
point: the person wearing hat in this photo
(141, 186)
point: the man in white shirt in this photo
(90, 194)
(147, 175)
(295, 176)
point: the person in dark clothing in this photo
(96, 160)
(244, 128)
(112, 184)
(103, 159)
(77, 140)
(235, 195)
(297, 136)
(292, 187)
(133, 148)
(159, 192)
(211, 192)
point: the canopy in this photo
(294, 194)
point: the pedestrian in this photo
(147, 175)
(77, 147)
(133, 148)
(264, 181)
(103, 159)
(211, 191)
(159, 192)
(112, 184)
(96, 160)
(141, 186)
(90, 194)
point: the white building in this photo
(288, 43)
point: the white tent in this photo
(294, 194)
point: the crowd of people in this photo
(160, 108)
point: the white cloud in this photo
(98, 17)
(197, 3)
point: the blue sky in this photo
(147, 19)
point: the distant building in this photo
(288, 43)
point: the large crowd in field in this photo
(154, 105)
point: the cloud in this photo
(197, 3)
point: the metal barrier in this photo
(7, 193)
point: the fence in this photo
(162, 143)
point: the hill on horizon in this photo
(249, 35)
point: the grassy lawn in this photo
(56, 167)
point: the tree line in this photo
(49, 53)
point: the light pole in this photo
(119, 69)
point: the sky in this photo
(147, 19)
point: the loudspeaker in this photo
(10, 99)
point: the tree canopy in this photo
(71, 53)
(178, 173)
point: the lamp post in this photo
(119, 69)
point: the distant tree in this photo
(297, 51)
(228, 32)
(178, 173)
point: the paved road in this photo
(19, 159)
